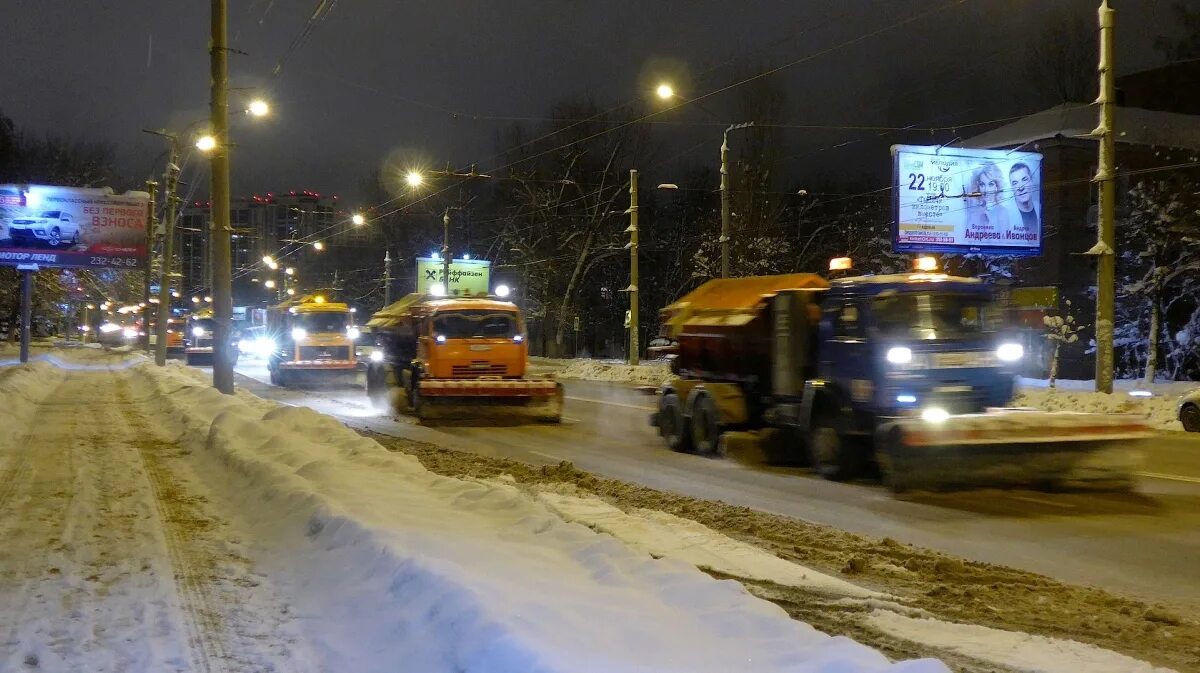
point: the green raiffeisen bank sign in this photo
(467, 276)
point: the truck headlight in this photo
(899, 355)
(130, 333)
(1010, 352)
(353, 333)
(197, 332)
(299, 332)
(265, 346)
(376, 356)
(441, 338)
(934, 415)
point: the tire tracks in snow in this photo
(205, 628)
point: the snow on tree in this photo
(1159, 259)
(1060, 330)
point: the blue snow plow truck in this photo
(905, 375)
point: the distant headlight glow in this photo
(130, 333)
(935, 415)
(376, 356)
(353, 333)
(1010, 352)
(197, 332)
(899, 355)
(299, 332)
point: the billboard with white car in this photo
(72, 227)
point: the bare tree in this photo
(1061, 61)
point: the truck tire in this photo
(888, 443)
(377, 388)
(833, 457)
(672, 424)
(704, 424)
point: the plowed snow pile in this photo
(649, 374)
(1159, 409)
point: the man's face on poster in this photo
(1022, 187)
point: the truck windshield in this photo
(930, 315)
(475, 324)
(321, 322)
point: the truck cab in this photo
(313, 337)
(198, 337)
(471, 338)
(907, 344)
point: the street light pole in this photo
(446, 252)
(168, 255)
(387, 278)
(633, 267)
(725, 200)
(1105, 175)
(151, 227)
(221, 263)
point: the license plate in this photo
(958, 360)
(478, 348)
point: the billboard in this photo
(966, 201)
(75, 227)
(467, 276)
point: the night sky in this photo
(439, 79)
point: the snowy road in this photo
(1145, 544)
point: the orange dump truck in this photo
(457, 357)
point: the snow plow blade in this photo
(1013, 449)
(498, 401)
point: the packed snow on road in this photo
(152, 524)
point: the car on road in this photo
(1188, 411)
(50, 229)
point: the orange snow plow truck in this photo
(457, 358)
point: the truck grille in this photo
(324, 353)
(479, 368)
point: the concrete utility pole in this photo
(170, 181)
(633, 266)
(222, 271)
(387, 278)
(151, 227)
(725, 200)
(446, 252)
(1106, 176)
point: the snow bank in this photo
(22, 389)
(1020, 651)
(647, 374)
(396, 564)
(1159, 409)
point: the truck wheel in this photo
(705, 424)
(377, 388)
(833, 457)
(888, 444)
(1189, 415)
(672, 425)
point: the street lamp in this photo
(291, 271)
(206, 143)
(318, 245)
(665, 91)
(358, 219)
(268, 260)
(414, 179)
(259, 108)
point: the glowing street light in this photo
(207, 299)
(259, 108)
(291, 271)
(206, 143)
(665, 91)
(318, 245)
(291, 291)
(414, 179)
(272, 265)
(358, 219)
(270, 285)
(195, 300)
(267, 259)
